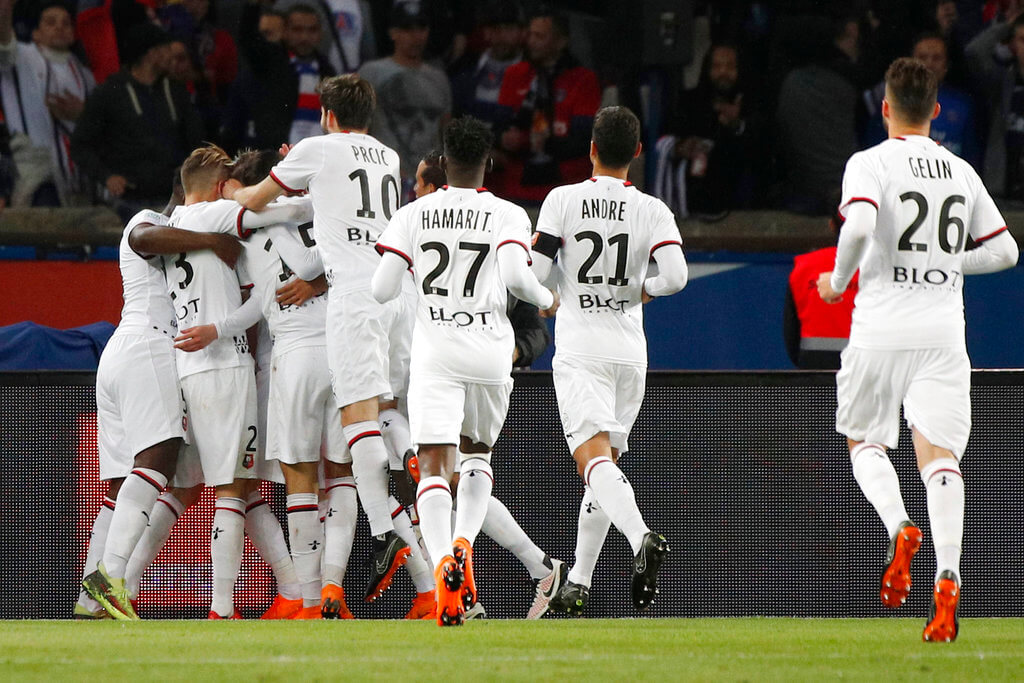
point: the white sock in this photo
(164, 515)
(945, 486)
(434, 504)
(503, 529)
(475, 485)
(591, 531)
(370, 468)
(339, 528)
(135, 501)
(419, 571)
(227, 539)
(880, 483)
(94, 553)
(415, 519)
(394, 427)
(307, 544)
(267, 536)
(613, 491)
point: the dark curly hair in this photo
(616, 135)
(467, 142)
(253, 165)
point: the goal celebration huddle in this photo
(289, 321)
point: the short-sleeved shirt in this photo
(147, 309)
(450, 239)
(354, 183)
(291, 327)
(608, 231)
(911, 279)
(204, 290)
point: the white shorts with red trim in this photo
(303, 419)
(368, 346)
(221, 407)
(266, 468)
(138, 400)
(933, 385)
(595, 397)
(442, 409)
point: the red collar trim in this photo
(482, 189)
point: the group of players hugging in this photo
(388, 337)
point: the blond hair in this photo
(205, 166)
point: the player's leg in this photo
(264, 530)
(168, 509)
(420, 571)
(591, 531)
(86, 607)
(869, 388)
(547, 573)
(938, 408)
(339, 533)
(434, 503)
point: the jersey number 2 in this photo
(444, 258)
(621, 244)
(945, 222)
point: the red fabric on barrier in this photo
(60, 294)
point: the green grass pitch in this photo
(557, 649)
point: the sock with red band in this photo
(227, 538)
(615, 494)
(370, 468)
(267, 536)
(163, 517)
(434, 503)
(97, 544)
(135, 501)
(307, 544)
(475, 485)
(878, 480)
(420, 572)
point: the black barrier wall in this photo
(742, 472)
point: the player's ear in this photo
(442, 161)
(489, 166)
(935, 112)
(639, 149)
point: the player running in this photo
(354, 183)
(909, 206)
(463, 245)
(604, 232)
(138, 406)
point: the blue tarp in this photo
(28, 346)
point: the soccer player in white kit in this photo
(467, 250)
(909, 206)
(604, 232)
(354, 183)
(138, 405)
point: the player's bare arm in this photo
(153, 240)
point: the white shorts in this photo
(138, 400)
(595, 397)
(303, 416)
(368, 346)
(442, 409)
(222, 424)
(266, 469)
(934, 386)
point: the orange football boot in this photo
(282, 608)
(943, 624)
(463, 552)
(307, 613)
(214, 616)
(896, 577)
(423, 606)
(332, 603)
(448, 577)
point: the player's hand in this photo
(555, 303)
(284, 149)
(196, 338)
(645, 298)
(65, 107)
(116, 185)
(825, 291)
(226, 248)
(295, 293)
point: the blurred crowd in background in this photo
(746, 104)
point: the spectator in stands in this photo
(348, 39)
(212, 49)
(275, 100)
(955, 125)
(718, 135)
(475, 89)
(49, 84)
(1000, 78)
(271, 25)
(547, 106)
(137, 126)
(816, 122)
(414, 99)
(947, 25)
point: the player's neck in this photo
(620, 173)
(332, 128)
(470, 182)
(898, 129)
(200, 197)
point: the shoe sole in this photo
(99, 589)
(896, 577)
(943, 627)
(464, 558)
(449, 595)
(400, 557)
(645, 585)
(331, 609)
(542, 602)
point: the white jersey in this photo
(354, 182)
(290, 326)
(608, 231)
(450, 239)
(204, 290)
(911, 279)
(147, 309)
